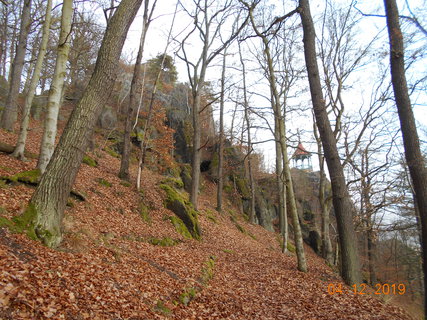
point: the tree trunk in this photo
(220, 185)
(371, 255)
(10, 112)
(56, 88)
(196, 152)
(22, 138)
(327, 252)
(50, 197)
(350, 269)
(414, 159)
(130, 110)
(252, 212)
(299, 243)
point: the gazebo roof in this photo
(300, 151)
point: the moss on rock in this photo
(183, 209)
(28, 177)
(180, 227)
(163, 242)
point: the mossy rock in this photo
(243, 188)
(183, 209)
(180, 227)
(30, 177)
(186, 176)
(23, 223)
(174, 182)
(163, 242)
(90, 161)
(174, 171)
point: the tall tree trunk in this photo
(220, 185)
(130, 110)
(327, 251)
(350, 269)
(414, 158)
(22, 138)
(50, 197)
(56, 88)
(10, 112)
(252, 213)
(196, 152)
(299, 243)
(371, 255)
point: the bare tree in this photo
(133, 96)
(56, 88)
(10, 113)
(209, 18)
(46, 207)
(281, 144)
(252, 213)
(350, 269)
(413, 155)
(220, 185)
(20, 145)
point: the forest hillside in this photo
(124, 256)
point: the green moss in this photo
(29, 177)
(180, 227)
(208, 270)
(238, 226)
(4, 222)
(173, 182)
(161, 307)
(242, 186)
(228, 188)
(188, 295)
(291, 247)
(103, 182)
(112, 153)
(125, 183)
(174, 171)
(163, 242)
(144, 212)
(211, 216)
(25, 223)
(176, 202)
(2, 184)
(227, 251)
(90, 161)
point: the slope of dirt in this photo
(106, 267)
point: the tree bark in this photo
(327, 251)
(252, 213)
(350, 269)
(50, 197)
(10, 112)
(220, 185)
(413, 155)
(130, 112)
(56, 88)
(22, 138)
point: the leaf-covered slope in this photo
(108, 268)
